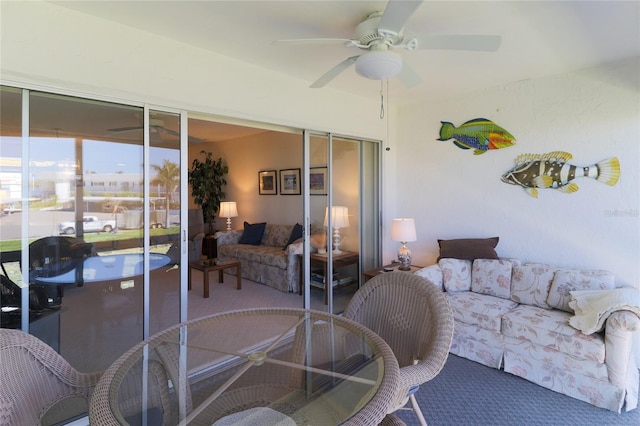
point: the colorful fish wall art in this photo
(479, 133)
(552, 170)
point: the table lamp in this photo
(228, 209)
(403, 230)
(339, 219)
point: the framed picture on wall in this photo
(318, 181)
(290, 182)
(267, 182)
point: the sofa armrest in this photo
(618, 335)
(225, 238)
(297, 247)
(433, 274)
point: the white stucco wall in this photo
(593, 114)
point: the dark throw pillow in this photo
(296, 233)
(252, 233)
(468, 248)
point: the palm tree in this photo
(167, 175)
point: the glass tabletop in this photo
(307, 367)
(104, 268)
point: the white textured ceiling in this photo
(538, 37)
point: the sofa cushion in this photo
(273, 256)
(253, 233)
(530, 284)
(565, 281)
(550, 328)
(469, 248)
(241, 252)
(276, 235)
(296, 234)
(492, 277)
(479, 309)
(456, 274)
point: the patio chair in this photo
(391, 420)
(38, 386)
(414, 317)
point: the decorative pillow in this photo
(530, 284)
(469, 248)
(566, 281)
(296, 234)
(491, 277)
(432, 274)
(456, 274)
(252, 233)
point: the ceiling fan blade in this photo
(166, 131)
(313, 41)
(396, 15)
(124, 129)
(408, 76)
(481, 43)
(334, 72)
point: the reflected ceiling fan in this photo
(156, 127)
(383, 32)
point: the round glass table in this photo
(259, 366)
(104, 268)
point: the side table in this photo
(219, 265)
(381, 270)
(346, 258)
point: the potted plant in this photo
(207, 180)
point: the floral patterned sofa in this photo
(270, 258)
(534, 320)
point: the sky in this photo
(49, 154)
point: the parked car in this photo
(89, 224)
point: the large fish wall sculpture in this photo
(479, 133)
(551, 170)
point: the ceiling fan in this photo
(156, 127)
(382, 32)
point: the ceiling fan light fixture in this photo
(379, 65)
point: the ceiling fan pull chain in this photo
(381, 100)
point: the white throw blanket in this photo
(593, 307)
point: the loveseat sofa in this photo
(269, 257)
(534, 321)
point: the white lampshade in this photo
(339, 217)
(228, 209)
(403, 230)
(379, 65)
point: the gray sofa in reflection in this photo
(195, 234)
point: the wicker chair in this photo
(415, 319)
(391, 420)
(38, 386)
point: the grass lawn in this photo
(132, 234)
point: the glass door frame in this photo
(377, 251)
(25, 158)
(184, 170)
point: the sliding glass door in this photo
(341, 208)
(91, 195)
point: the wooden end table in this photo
(377, 271)
(219, 265)
(339, 260)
